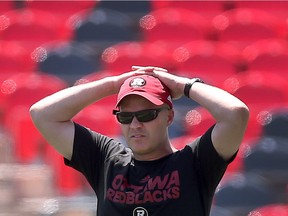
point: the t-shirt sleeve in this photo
(90, 150)
(209, 163)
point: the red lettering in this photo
(157, 196)
(110, 194)
(147, 197)
(174, 179)
(175, 192)
(157, 183)
(124, 184)
(130, 198)
(157, 190)
(138, 199)
(117, 182)
(119, 197)
(167, 194)
(136, 189)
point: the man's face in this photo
(147, 140)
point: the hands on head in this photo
(173, 82)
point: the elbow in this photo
(241, 114)
(35, 113)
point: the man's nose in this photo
(135, 123)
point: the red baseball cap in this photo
(148, 87)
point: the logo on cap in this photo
(137, 82)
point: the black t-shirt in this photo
(180, 184)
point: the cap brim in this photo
(149, 97)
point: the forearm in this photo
(230, 113)
(64, 105)
(222, 105)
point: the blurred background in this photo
(46, 46)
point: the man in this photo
(150, 177)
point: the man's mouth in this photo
(137, 135)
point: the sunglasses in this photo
(142, 116)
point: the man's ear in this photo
(170, 116)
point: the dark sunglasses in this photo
(142, 116)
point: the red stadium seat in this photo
(208, 8)
(31, 28)
(6, 6)
(107, 101)
(270, 210)
(24, 90)
(277, 8)
(29, 147)
(236, 166)
(259, 90)
(122, 56)
(100, 119)
(214, 62)
(27, 141)
(20, 92)
(254, 128)
(175, 25)
(14, 59)
(267, 55)
(67, 181)
(61, 9)
(198, 121)
(244, 26)
(181, 141)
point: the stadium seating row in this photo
(243, 25)
(81, 45)
(71, 61)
